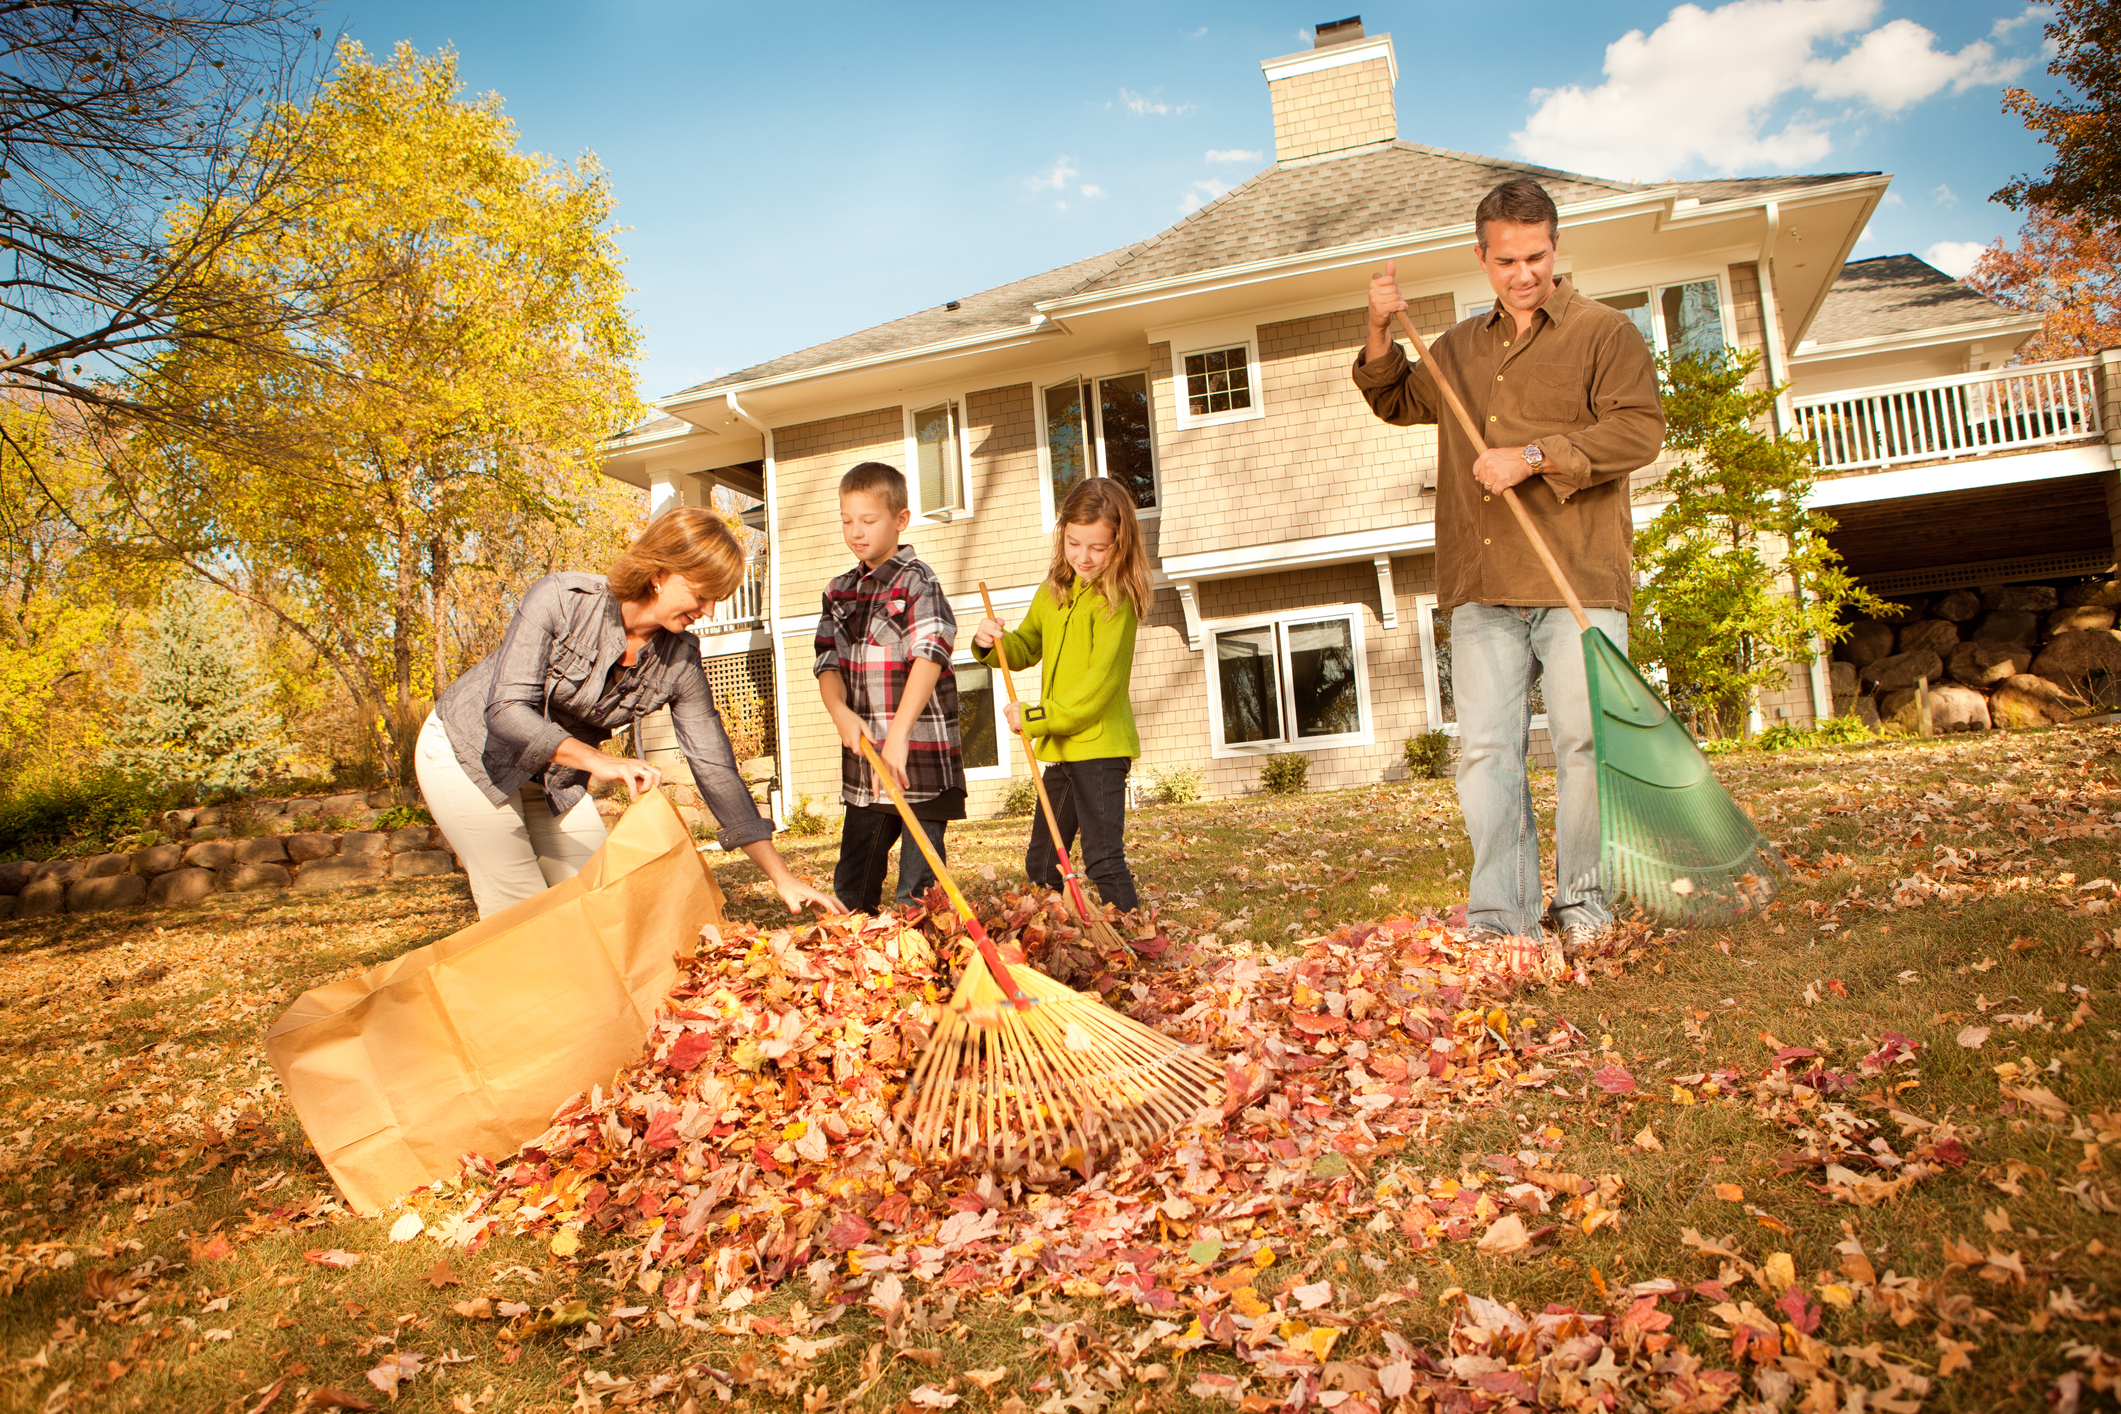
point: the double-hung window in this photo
(1297, 679)
(935, 436)
(980, 730)
(1100, 427)
(1218, 384)
(1676, 319)
(1437, 692)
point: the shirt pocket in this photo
(1554, 396)
(566, 663)
(885, 630)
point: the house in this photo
(1292, 532)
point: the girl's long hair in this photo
(1100, 500)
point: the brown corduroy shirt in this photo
(1582, 384)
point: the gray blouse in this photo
(553, 678)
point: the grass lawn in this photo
(1861, 1150)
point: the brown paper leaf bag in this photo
(469, 1044)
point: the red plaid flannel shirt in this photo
(874, 625)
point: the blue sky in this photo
(796, 172)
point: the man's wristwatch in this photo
(1534, 458)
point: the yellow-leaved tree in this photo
(448, 399)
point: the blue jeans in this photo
(866, 837)
(1090, 796)
(1497, 653)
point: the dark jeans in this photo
(866, 837)
(1090, 796)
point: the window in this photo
(980, 730)
(1474, 311)
(1100, 427)
(1442, 702)
(1218, 381)
(1676, 319)
(938, 462)
(1294, 680)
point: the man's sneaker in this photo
(1580, 938)
(1482, 934)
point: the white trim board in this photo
(1333, 56)
(1301, 554)
(1969, 475)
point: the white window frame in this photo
(1431, 681)
(1725, 313)
(1354, 614)
(942, 515)
(1048, 507)
(1180, 405)
(1001, 770)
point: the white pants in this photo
(514, 851)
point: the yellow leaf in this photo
(1682, 1096)
(796, 1130)
(1322, 1342)
(566, 1242)
(1835, 1294)
(1247, 1303)
(1730, 1193)
(1780, 1271)
(1263, 1258)
(1081, 1287)
(1953, 1356)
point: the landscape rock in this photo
(1953, 708)
(105, 892)
(242, 877)
(208, 832)
(410, 838)
(422, 864)
(380, 800)
(15, 875)
(1984, 663)
(209, 815)
(158, 859)
(64, 870)
(1959, 606)
(360, 846)
(2010, 626)
(1841, 679)
(180, 886)
(8, 904)
(345, 804)
(2026, 598)
(211, 854)
(2081, 619)
(1903, 669)
(1939, 636)
(267, 849)
(1868, 641)
(2074, 657)
(2023, 701)
(102, 866)
(2105, 592)
(339, 872)
(304, 848)
(181, 819)
(43, 898)
(1867, 713)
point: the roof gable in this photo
(1897, 294)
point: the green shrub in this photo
(1284, 773)
(1021, 797)
(1787, 736)
(1428, 756)
(1175, 785)
(399, 816)
(802, 823)
(1723, 745)
(77, 813)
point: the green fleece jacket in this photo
(1086, 655)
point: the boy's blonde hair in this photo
(685, 540)
(1099, 500)
(879, 479)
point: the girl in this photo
(1080, 630)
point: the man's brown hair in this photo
(1520, 201)
(879, 479)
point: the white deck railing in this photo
(746, 606)
(1966, 415)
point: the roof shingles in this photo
(1896, 294)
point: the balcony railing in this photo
(742, 609)
(1966, 415)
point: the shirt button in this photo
(1498, 377)
(1487, 542)
(1491, 419)
(1487, 498)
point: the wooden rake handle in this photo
(1038, 780)
(919, 836)
(1509, 494)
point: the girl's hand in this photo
(799, 895)
(1014, 713)
(989, 630)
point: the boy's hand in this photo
(894, 752)
(988, 631)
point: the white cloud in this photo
(1943, 194)
(1870, 235)
(1893, 198)
(1201, 33)
(1054, 178)
(2010, 24)
(1954, 258)
(1202, 192)
(1704, 88)
(1233, 154)
(1143, 106)
(1091, 189)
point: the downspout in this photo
(783, 755)
(1778, 375)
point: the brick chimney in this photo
(1335, 95)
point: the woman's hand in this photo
(989, 630)
(799, 895)
(639, 776)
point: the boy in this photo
(883, 666)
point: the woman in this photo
(507, 757)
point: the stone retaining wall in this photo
(207, 861)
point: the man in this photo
(1565, 394)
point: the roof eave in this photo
(1040, 327)
(2001, 327)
